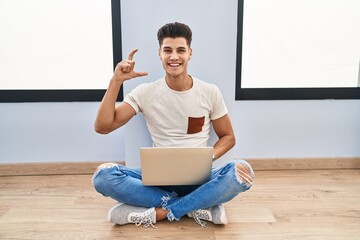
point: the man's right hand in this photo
(110, 116)
(124, 70)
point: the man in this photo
(178, 110)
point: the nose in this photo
(174, 56)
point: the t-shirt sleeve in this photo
(134, 98)
(218, 105)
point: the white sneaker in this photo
(122, 214)
(215, 214)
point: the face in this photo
(175, 55)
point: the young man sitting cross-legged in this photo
(178, 109)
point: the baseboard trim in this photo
(259, 164)
(63, 168)
(304, 163)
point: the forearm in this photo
(223, 145)
(106, 113)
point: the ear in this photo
(159, 52)
(190, 53)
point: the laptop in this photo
(162, 166)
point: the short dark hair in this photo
(174, 30)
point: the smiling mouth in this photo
(174, 64)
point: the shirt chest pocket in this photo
(195, 124)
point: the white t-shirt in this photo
(178, 118)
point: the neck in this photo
(179, 83)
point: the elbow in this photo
(232, 141)
(100, 129)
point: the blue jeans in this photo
(124, 185)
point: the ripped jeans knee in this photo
(99, 177)
(101, 167)
(244, 172)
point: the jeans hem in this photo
(165, 199)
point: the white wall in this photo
(313, 128)
(54, 132)
(49, 132)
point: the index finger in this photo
(132, 53)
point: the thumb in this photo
(139, 74)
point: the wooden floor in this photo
(301, 204)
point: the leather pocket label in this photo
(195, 124)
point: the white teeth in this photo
(174, 64)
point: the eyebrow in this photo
(167, 47)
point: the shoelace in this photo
(200, 215)
(143, 218)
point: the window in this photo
(50, 54)
(292, 49)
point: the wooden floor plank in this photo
(295, 204)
